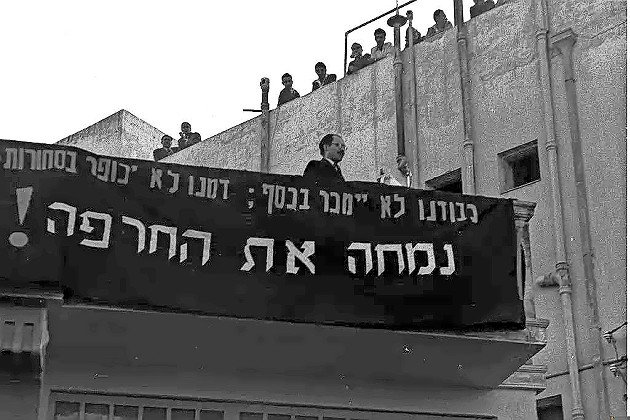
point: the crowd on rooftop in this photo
(381, 50)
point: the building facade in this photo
(526, 101)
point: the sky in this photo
(70, 63)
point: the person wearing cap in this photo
(382, 49)
(360, 60)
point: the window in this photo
(550, 408)
(87, 406)
(154, 413)
(519, 166)
(96, 412)
(448, 182)
(67, 411)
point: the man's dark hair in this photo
(437, 13)
(379, 31)
(326, 141)
(186, 123)
(320, 64)
(286, 75)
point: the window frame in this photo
(507, 160)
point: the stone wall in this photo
(122, 134)
(235, 148)
(360, 107)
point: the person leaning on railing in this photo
(360, 60)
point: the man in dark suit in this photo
(332, 149)
(166, 149)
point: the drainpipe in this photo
(562, 272)
(412, 107)
(396, 22)
(468, 172)
(564, 42)
(264, 130)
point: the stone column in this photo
(523, 212)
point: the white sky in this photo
(67, 64)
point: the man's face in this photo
(335, 150)
(380, 39)
(440, 19)
(320, 71)
(287, 82)
(186, 128)
(356, 52)
(167, 141)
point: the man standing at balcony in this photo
(187, 137)
(382, 49)
(288, 93)
(322, 77)
(360, 60)
(441, 24)
(166, 149)
(332, 149)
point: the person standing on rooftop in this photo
(322, 77)
(382, 48)
(441, 24)
(360, 60)
(187, 137)
(288, 93)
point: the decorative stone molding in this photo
(534, 332)
(24, 330)
(547, 280)
(527, 377)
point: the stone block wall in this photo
(122, 134)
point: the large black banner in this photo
(141, 234)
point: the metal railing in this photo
(345, 50)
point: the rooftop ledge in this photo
(256, 347)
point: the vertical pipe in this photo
(468, 172)
(562, 271)
(264, 130)
(412, 108)
(565, 41)
(400, 123)
(345, 55)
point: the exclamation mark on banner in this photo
(19, 239)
